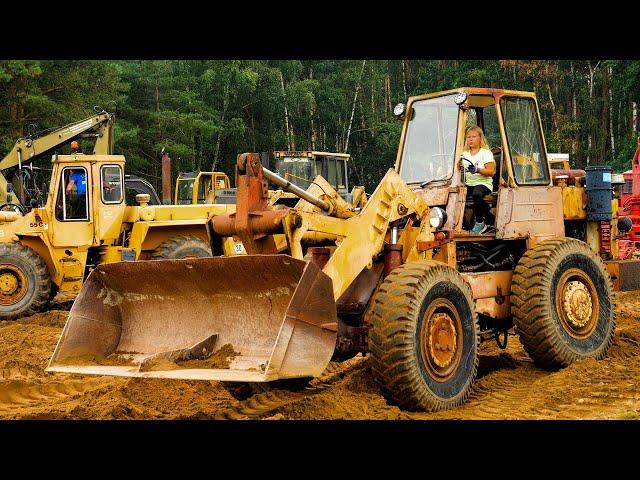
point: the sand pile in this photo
(509, 385)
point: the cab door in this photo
(530, 207)
(72, 219)
(109, 202)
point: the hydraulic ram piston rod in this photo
(290, 187)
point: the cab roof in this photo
(80, 157)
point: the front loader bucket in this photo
(252, 318)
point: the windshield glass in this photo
(528, 156)
(430, 143)
(292, 167)
(185, 191)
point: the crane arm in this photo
(26, 149)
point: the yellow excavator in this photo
(399, 279)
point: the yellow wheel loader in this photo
(301, 167)
(86, 222)
(298, 167)
(200, 187)
(399, 279)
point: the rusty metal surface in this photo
(166, 179)
(254, 217)
(270, 308)
(356, 297)
(576, 303)
(392, 257)
(530, 212)
(574, 203)
(489, 284)
(625, 274)
(319, 255)
(491, 308)
(264, 222)
(434, 195)
(572, 175)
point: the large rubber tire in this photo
(25, 284)
(549, 303)
(182, 246)
(405, 311)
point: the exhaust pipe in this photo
(166, 178)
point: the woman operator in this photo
(480, 167)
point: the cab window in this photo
(491, 128)
(185, 191)
(332, 172)
(528, 157)
(111, 181)
(204, 187)
(72, 203)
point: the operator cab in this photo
(198, 188)
(433, 140)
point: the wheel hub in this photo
(13, 284)
(442, 339)
(8, 283)
(577, 303)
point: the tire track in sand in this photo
(515, 388)
(18, 393)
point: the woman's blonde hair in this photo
(483, 139)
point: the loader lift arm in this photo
(28, 149)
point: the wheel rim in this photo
(441, 340)
(577, 303)
(13, 284)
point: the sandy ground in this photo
(509, 385)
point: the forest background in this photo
(206, 112)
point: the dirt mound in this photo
(28, 345)
(139, 398)
(509, 385)
(26, 391)
(52, 318)
(355, 396)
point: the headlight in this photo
(437, 217)
(399, 109)
(460, 98)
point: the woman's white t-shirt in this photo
(480, 159)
